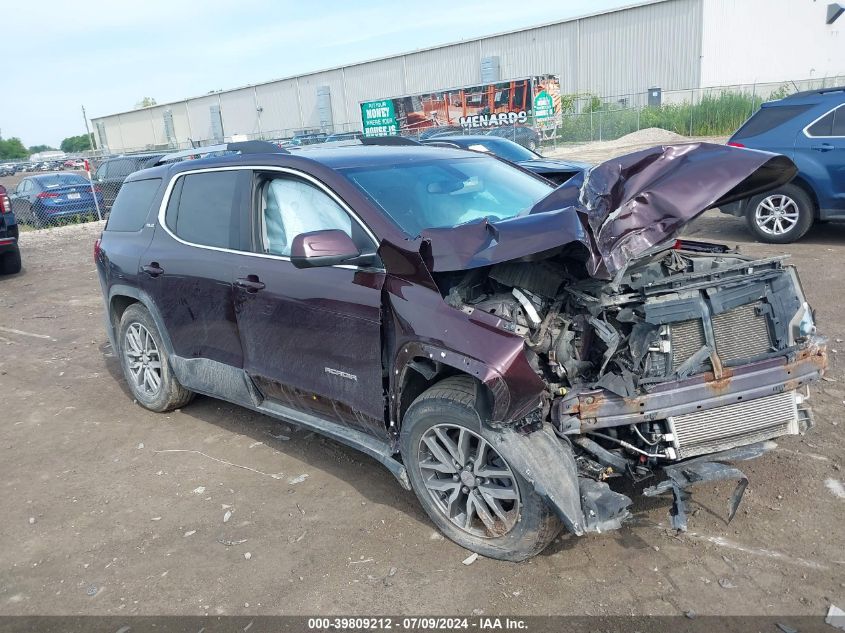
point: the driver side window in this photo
(290, 206)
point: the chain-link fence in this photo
(79, 188)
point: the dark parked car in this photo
(39, 200)
(809, 128)
(10, 254)
(440, 130)
(344, 136)
(557, 171)
(506, 348)
(307, 139)
(522, 134)
(113, 171)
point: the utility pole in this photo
(87, 130)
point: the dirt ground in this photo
(112, 509)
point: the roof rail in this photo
(244, 147)
(388, 140)
(818, 91)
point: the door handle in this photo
(153, 269)
(250, 283)
(824, 147)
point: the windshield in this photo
(447, 192)
(504, 148)
(61, 180)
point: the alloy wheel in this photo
(776, 214)
(470, 483)
(143, 359)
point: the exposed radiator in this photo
(687, 338)
(741, 333)
(733, 425)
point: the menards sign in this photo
(496, 104)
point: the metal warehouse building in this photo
(674, 45)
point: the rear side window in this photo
(200, 209)
(132, 205)
(766, 119)
(831, 124)
(121, 167)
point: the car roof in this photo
(469, 138)
(335, 157)
(55, 173)
(135, 156)
(812, 97)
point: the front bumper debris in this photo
(590, 410)
(704, 469)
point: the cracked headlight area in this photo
(803, 324)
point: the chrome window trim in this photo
(287, 170)
(817, 119)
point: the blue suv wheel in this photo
(780, 216)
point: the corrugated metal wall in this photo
(549, 49)
(659, 48)
(732, 53)
(616, 53)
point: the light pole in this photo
(87, 130)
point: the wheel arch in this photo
(121, 296)
(807, 188)
(419, 372)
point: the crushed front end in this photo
(693, 356)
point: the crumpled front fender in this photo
(548, 464)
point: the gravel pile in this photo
(600, 151)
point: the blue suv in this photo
(809, 128)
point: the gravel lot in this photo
(112, 509)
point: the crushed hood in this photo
(617, 210)
(483, 243)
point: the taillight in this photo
(735, 144)
(97, 249)
(5, 203)
(47, 194)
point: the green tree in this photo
(146, 102)
(79, 143)
(34, 149)
(594, 105)
(12, 148)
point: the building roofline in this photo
(633, 5)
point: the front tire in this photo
(780, 216)
(465, 486)
(145, 363)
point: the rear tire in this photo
(780, 216)
(490, 508)
(145, 363)
(10, 263)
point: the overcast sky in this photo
(109, 54)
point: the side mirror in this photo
(328, 247)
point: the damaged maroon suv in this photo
(507, 349)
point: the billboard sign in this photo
(502, 103)
(379, 118)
